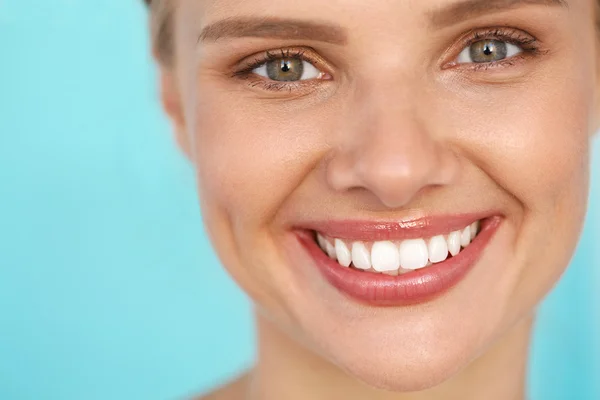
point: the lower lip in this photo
(410, 288)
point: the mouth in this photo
(398, 263)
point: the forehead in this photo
(340, 7)
(334, 20)
(379, 14)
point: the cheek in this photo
(251, 156)
(534, 145)
(532, 137)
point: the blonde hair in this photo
(161, 29)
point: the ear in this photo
(172, 104)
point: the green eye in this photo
(287, 69)
(487, 51)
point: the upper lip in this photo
(402, 229)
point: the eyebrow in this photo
(458, 12)
(273, 28)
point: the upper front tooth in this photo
(385, 256)
(438, 249)
(360, 256)
(454, 243)
(343, 254)
(413, 254)
(465, 237)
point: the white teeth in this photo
(465, 237)
(393, 258)
(385, 257)
(360, 256)
(454, 243)
(343, 254)
(413, 254)
(438, 249)
(474, 229)
(322, 242)
(330, 250)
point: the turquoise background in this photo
(108, 286)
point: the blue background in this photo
(108, 285)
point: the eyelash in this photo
(245, 73)
(526, 42)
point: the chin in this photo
(406, 378)
(415, 365)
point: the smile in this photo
(398, 257)
(400, 262)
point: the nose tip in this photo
(394, 174)
(396, 180)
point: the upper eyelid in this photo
(258, 59)
(504, 33)
(509, 34)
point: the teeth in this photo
(385, 257)
(330, 250)
(326, 246)
(438, 249)
(465, 237)
(322, 242)
(343, 254)
(395, 272)
(413, 254)
(360, 256)
(397, 258)
(454, 243)
(474, 229)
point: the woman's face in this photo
(381, 123)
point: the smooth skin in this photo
(394, 127)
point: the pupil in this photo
(488, 51)
(290, 69)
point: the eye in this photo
(287, 69)
(488, 51)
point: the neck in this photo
(287, 370)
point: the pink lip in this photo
(410, 288)
(402, 230)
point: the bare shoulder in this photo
(234, 390)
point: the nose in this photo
(390, 151)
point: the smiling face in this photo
(384, 129)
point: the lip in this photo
(407, 289)
(397, 230)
